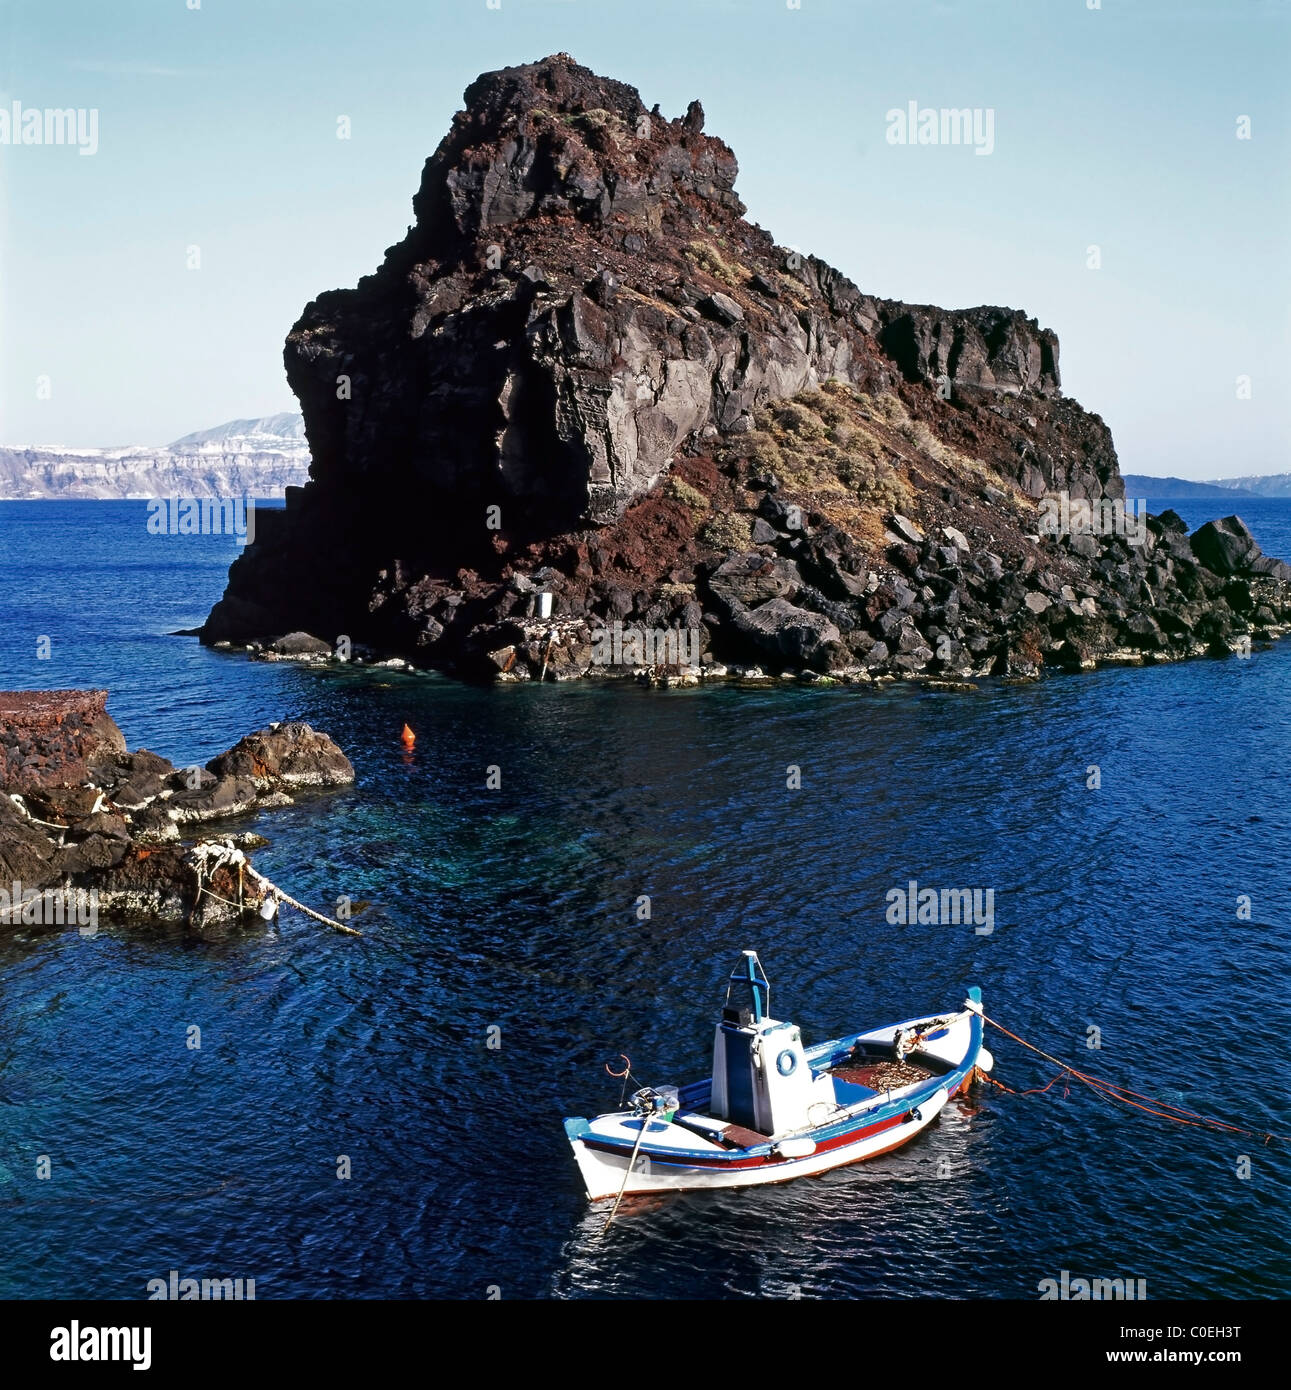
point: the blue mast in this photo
(748, 974)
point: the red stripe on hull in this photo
(727, 1164)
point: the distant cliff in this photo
(1178, 489)
(1266, 485)
(258, 458)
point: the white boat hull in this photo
(697, 1152)
(603, 1172)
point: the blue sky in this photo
(1114, 127)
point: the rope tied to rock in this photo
(35, 820)
(212, 855)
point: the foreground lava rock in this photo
(50, 737)
(584, 374)
(80, 813)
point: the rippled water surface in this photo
(516, 908)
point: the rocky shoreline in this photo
(967, 619)
(82, 819)
(587, 420)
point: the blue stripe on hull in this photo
(837, 1050)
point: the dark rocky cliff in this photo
(584, 371)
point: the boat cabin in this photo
(762, 1080)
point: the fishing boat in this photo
(774, 1109)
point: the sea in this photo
(380, 1117)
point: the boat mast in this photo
(748, 974)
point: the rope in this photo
(211, 893)
(35, 820)
(1035, 1091)
(1108, 1090)
(228, 854)
(546, 656)
(222, 854)
(300, 907)
(609, 1220)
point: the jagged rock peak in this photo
(556, 83)
(553, 136)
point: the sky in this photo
(1115, 127)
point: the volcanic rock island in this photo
(585, 400)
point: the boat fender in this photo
(916, 1115)
(984, 1059)
(786, 1063)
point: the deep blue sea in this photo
(1116, 909)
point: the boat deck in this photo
(878, 1076)
(854, 1081)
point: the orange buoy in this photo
(408, 737)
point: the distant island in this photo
(256, 457)
(1179, 489)
(1268, 485)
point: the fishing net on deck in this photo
(882, 1076)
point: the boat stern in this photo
(601, 1176)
